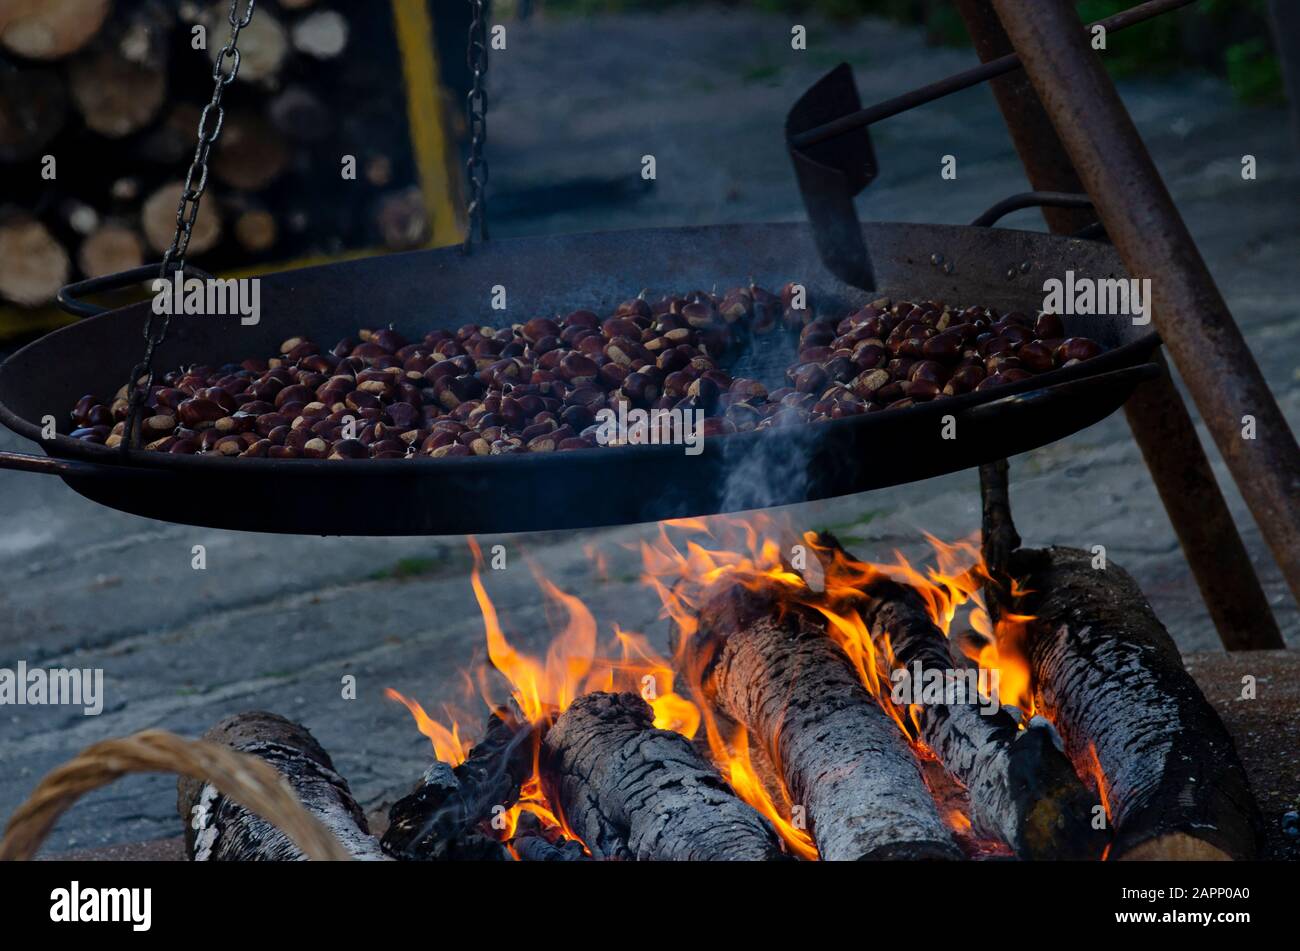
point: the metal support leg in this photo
(998, 536)
(1161, 424)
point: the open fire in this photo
(688, 563)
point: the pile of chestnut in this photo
(539, 386)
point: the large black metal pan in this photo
(421, 290)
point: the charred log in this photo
(774, 669)
(443, 818)
(1111, 679)
(219, 830)
(533, 843)
(1023, 790)
(631, 791)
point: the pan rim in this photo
(63, 446)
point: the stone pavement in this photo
(274, 622)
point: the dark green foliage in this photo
(1228, 37)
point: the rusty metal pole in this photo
(1194, 321)
(1161, 424)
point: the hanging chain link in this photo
(476, 166)
(187, 211)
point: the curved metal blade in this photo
(832, 172)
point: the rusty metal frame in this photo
(1107, 155)
(1157, 415)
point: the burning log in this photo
(533, 843)
(774, 669)
(631, 791)
(219, 830)
(1111, 679)
(441, 819)
(1023, 790)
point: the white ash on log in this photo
(219, 830)
(634, 792)
(1108, 675)
(50, 29)
(773, 668)
(442, 819)
(1023, 790)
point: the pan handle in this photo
(69, 296)
(1031, 200)
(52, 465)
(1045, 397)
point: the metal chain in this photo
(476, 167)
(187, 211)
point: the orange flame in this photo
(758, 555)
(447, 744)
(751, 556)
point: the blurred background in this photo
(111, 90)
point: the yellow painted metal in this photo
(436, 158)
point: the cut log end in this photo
(115, 96)
(1176, 847)
(1111, 679)
(158, 218)
(219, 829)
(110, 249)
(50, 29)
(33, 265)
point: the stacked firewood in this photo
(1128, 760)
(99, 115)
